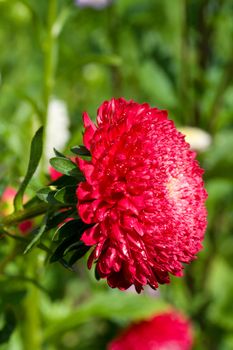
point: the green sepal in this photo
(46, 194)
(59, 218)
(65, 166)
(67, 195)
(70, 233)
(73, 227)
(66, 180)
(37, 237)
(81, 151)
(80, 251)
(59, 154)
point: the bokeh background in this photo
(60, 58)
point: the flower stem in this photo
(32, 335)
(184, 102)
(24, 214)
(50, 62)
(50, 54)
(31, 332)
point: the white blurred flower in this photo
(198, 139)
(93, 3)
(57, 132)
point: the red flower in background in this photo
(54, 174)
(7, 199)
(167, 331)
(143, 194)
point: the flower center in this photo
(173, 187)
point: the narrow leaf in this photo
(72, 227)
(59, 218)
(75, 246)
(35, 155)
(70, 233)
(60, 250)
(59, 154)
(81, 250)
(37, 238)
(97, 276)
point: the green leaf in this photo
(71, 228)
(9, 325)
(70, 233)
(67, 195)
(37, 238)
(46, 194)
(66, 181)
(35, 155)
(60, 250)
(80, 250)
(80, 150)
(58, 218)
(65, 166)
(97, 276)
(59, 154)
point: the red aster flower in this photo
(167, 331)
(143, 194)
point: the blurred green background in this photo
(176, 55)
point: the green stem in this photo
(224, 82)
(32, 337)
(50, 62)
(50, 51)
(24, 214)
(184, 99)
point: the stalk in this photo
(32, 334)
(50, 63)
(31, 330)
(24, 214)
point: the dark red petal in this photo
(91, 235)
